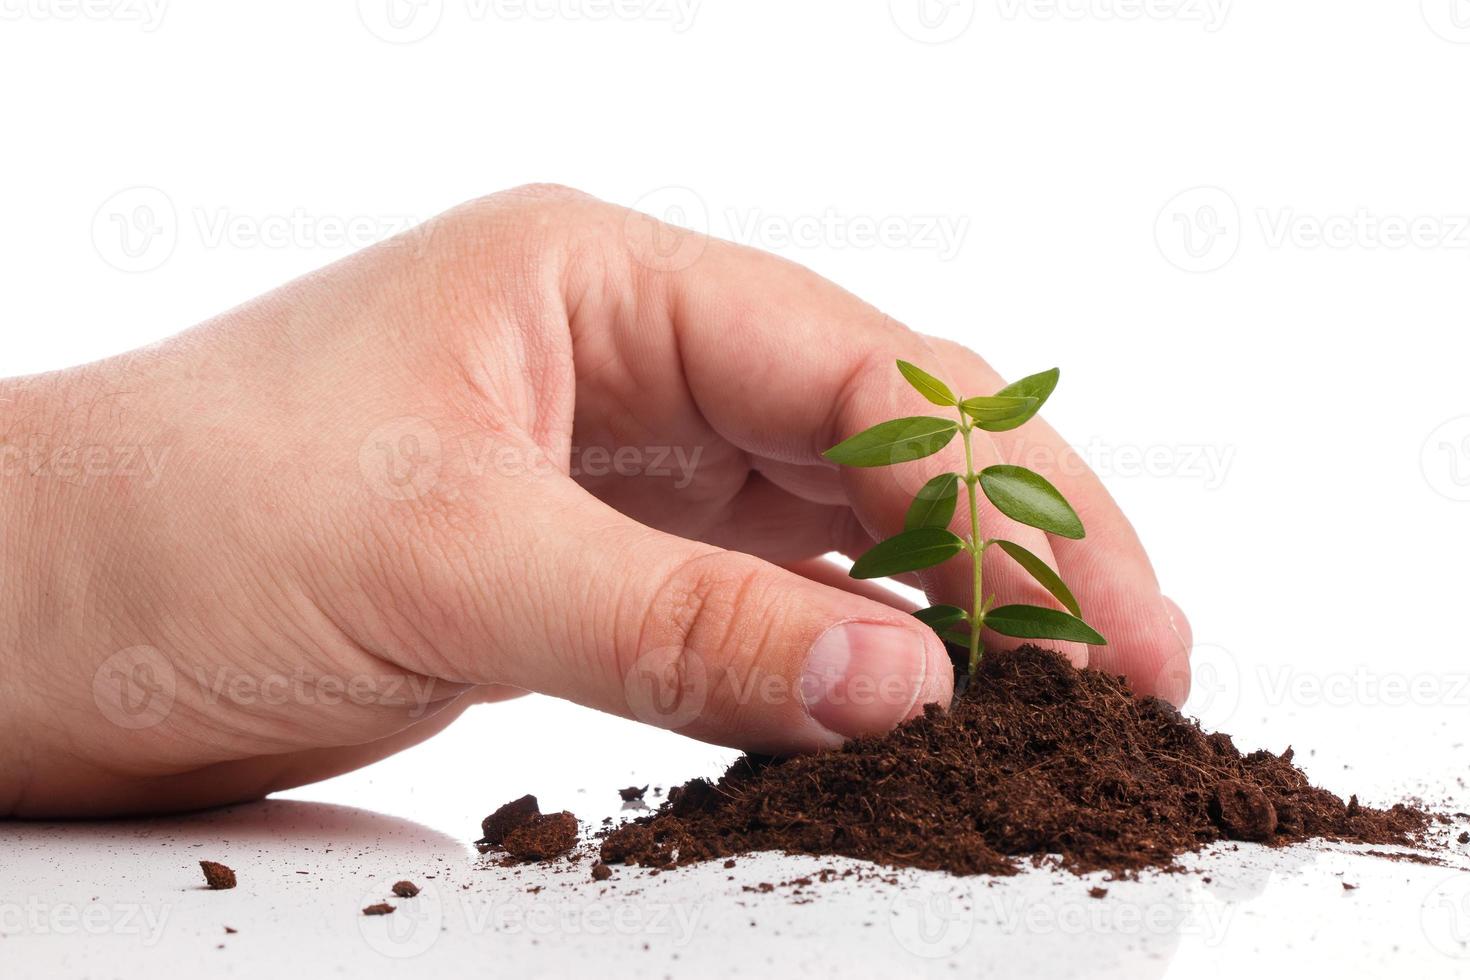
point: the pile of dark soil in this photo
(1037, 758)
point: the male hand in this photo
(540, 444)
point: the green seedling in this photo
(1015, 491)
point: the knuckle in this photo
(710, 627)
(700, 604)
(533, 206)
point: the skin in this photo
(384, 479)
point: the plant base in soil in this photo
(1035, 761)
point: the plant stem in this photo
(976, 548)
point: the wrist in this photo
(20, 403)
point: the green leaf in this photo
(927, 385)
(934, 504)
(941, 617)
(1025, 496)
(993, 410)
(959, 637)
(1036, 623)
(1038, 386)
(1043, 573)
(898, 441)
(907, 552)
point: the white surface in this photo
(116, 899)
(1283, 412)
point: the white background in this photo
(1242, 228)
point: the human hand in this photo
(540, 444)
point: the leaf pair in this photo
(1020, 621)
(907, 439)
(1015, 491)
(1007, 409)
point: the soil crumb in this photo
(510, 816)
(216, 875)
(405, 889)
(631, 793)
(381, 908)
(542, 837)
(1036, 761)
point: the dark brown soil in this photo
(381, 908)
(542, 837)
(216, 875)
(631, 793)
(405, 889)
(1036, 759)
(500, 823)
(601, 872)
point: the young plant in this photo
(1015, 491)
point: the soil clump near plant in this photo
(1035, 759)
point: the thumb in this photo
(715, 644)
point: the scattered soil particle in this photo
(230, 930)
(1464, 837)
(631, 793)
(601, 872)
(1036, 758)
(542, 837)
(1097, 891)
(1349, 888)
(405, 889)
(1406, 857)
(500, 823)
(217, 876)
(382, 908)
